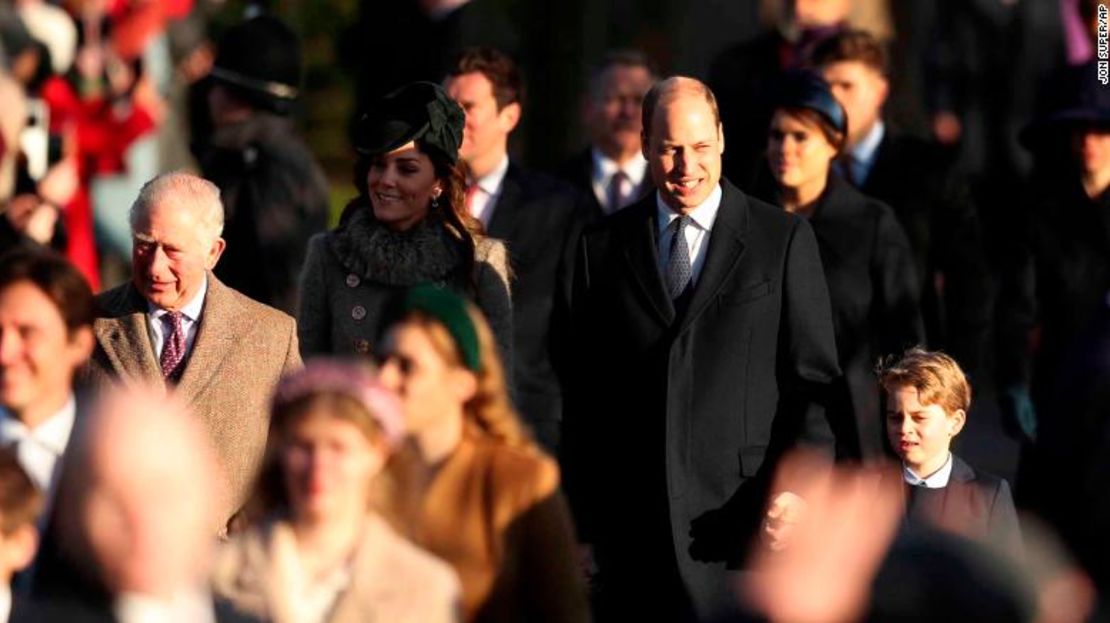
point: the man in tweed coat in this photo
(176, 326)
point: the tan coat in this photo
(391, 579)
(241, 349)
(497, 515)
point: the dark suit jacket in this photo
(539, 219)
(933, 204)
(675, 417)
(873, 287)
(973, 504)
(242, 348)
(579, 172)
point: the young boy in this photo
(927, 398)
(20, 505)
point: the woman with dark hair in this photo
(334, 474)
(864, 250)
(409, 225)
(492, 507)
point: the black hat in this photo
(260, 57)
(1075, 98)
(419, 111)
(806, 89)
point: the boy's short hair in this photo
(937, 378)
(852, 46)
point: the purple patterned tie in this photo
(173, 345)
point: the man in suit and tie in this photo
(176, 326)
(931, 200)
(537, 216)
(702, 348)
(46, 317)
(612, 171)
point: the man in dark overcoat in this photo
(702, 349)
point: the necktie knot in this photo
(618, 190)
(679, 271)
(173, 346)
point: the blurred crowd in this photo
(818, 331)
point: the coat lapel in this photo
(125, 338)
(640, 251)
(726, 247)
(221, 326)
(502, 225)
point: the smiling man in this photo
(702, 343)
(177, 326)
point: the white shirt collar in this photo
(864, 151)
(191, 310)
(52, 434)
(936, 480)
(184, 606)
(604, 167)
(702, 216)
(5, 602)
(490, 183)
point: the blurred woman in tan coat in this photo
(492, 507)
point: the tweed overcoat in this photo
(352, 272)
(242, 348)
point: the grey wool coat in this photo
(241, 350)
(351, 272)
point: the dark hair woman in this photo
(408, 226)
(864, 250)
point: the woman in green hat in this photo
(407, 226)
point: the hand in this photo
(785, 512)
(947, 128)
(32, 217)
(825, 575)
(1019, 417)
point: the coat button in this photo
(362, 347)
(353, 280)
(358, 312)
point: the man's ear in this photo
(884, 91)
(720, 138)
(214, 253)
(509, 116)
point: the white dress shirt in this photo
(603, 170)
(184, 607)
(190, 319)
(936, 480)
(862, 156)
(40, 449)
(484, 200)
(5, 602)
(697, 232)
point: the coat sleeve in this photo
(1003, 527)
(892, 270)
(313, 314)
(493, 274)
(293, 352)
(807, 361)
(548, 567)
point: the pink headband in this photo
(353, 380)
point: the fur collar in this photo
(424, 253)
